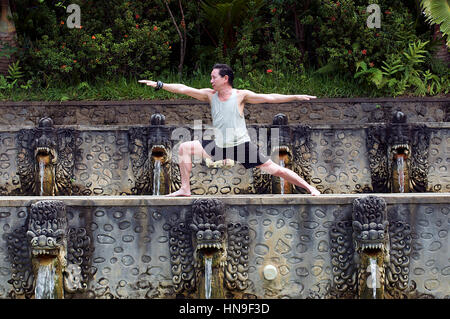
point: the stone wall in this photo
(185, 112)
(130, 243)
(101, 161)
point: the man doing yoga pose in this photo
(231, 135)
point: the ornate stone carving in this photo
(204, 232)
(47, 230)
(370, 224)
(181, 255)
(397, 270)
(22, 276)
(343, 267)
(236, 270)
(79, 255)
(151, 159)
(55, 149)
(387, 143)
(46, 235)
(370, 232)
(208, 224)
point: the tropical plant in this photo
(438, 12)
(14, 78)
(402, 72)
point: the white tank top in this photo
(229, 126)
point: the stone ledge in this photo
(193, 101)
(288, 199)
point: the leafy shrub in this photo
(113, 39)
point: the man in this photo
(231, 136)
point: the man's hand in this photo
(148, 82)
(305, 97)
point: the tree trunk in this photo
(442, 53)
(8, 39)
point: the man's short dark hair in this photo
(225, 69)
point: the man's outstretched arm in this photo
(199, 94)
(256, 98)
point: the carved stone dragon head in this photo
(370, 224)
(47, 229)
(45, 145)
(208, 226)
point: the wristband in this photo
(159, 85)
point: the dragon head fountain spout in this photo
(209, 231)
(370, 236)
(47, 229)
(209, 228)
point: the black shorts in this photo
(248, 153)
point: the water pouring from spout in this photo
(41, 175)
(45, 282)
(373, 271)
(208, 276)
(282, 179)
(156, 177)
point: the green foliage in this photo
(282, 52)
(14, 78)
(273, 45)
(403, 71)
(114, 39)
(343, 38)
(438, 11)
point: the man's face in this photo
(217, 81)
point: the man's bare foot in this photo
(180, 192)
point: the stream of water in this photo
(373, 271)
(156, 177)
(45, 282)
(401, 174)
(41, 175)
(208, 276)
(282, 179)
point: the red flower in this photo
(137, 16)
(126, 35)
(155, 28)
(349, 51)
(269, 71)
(93, 37)
(63, 66)
(74, 61)
(333, 19)
(364, 52)
(371, 64)
(274, 10)
(387, 12)
(137, 26)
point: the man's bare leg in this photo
(290, 176)
(185, 153)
